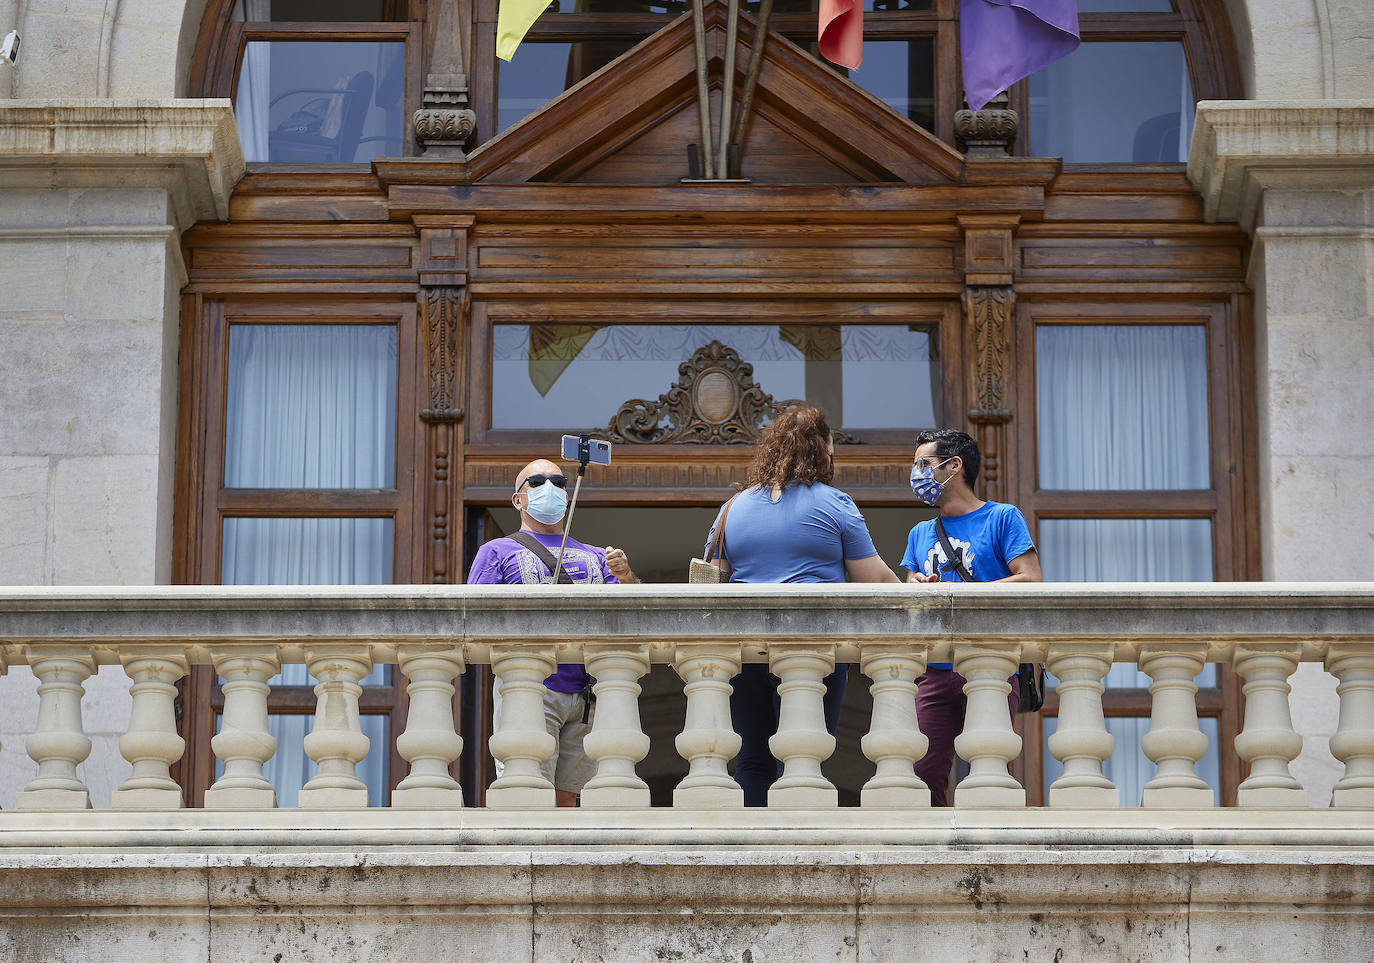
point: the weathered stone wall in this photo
(744, 903)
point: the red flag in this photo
(841, 33)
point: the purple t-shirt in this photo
(503, 561)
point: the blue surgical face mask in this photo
(547, 504)
(923, 483)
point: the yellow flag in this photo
(513, 20)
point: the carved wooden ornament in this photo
(715, 402)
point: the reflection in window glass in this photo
(541, 71)
(290, 768)
(565, 376)
(1121, 407)
(1129, 768)
(1109, 102)
(901, 73)
(321, 102)
(311, 406)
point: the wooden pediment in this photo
(631, 121)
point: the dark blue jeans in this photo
(754, 707)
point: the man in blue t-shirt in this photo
(993, 543)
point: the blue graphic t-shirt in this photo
(805, 536)
(988, 538)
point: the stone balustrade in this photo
(1262, 630)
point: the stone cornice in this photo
(188, 147)
(1242, 148)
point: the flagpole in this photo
(728, 90)
(703, 91)
(751, 77)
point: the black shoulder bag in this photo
(1029, 675)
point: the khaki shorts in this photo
(570, 768)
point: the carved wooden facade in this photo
(851, 216)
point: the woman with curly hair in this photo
(789, 525)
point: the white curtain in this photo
(253, 101)
(1121, 407)
(1125, 407)
(311, 406)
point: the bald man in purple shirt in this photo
(540, 497)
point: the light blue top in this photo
(805, 536)
(988, 538)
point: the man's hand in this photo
(914, 577)
(619, 566)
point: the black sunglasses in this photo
(534, 481)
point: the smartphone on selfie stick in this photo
(586, 450)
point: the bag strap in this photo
(719, 541)
(527, 541)
(953, 559)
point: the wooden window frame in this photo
(1227, 363)
(205, 331)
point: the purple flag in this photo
(1004, 40)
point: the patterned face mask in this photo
(923, 483)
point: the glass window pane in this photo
(565, 376)
(307, 11)
(1129, 768)
(1121, 407)
(901, 73)
(306, 551)
(1128, 550)
(290, 768)
(665, 8)
(1125, 6)
(539, 72)
(321, 102)
(1107, 102)
(311, 406)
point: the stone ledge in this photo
(189, 147)
(1285, 834)
(1242, 148)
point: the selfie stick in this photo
(584, 455)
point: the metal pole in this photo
(751, 79)
(567, 525)
(728, 91)
(703, 91)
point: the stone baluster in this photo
(802, 742)
(431, 742)
(1081, 740)
(617, 740)
(59, 745)
(894, 741)
(1353, 743)
(1268, 741)
(336, 743)
(708, 741)
(1174, 742)
(243, 742)
(151, 745)
(521, 742)
(988, 741)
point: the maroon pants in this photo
(940, 706)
